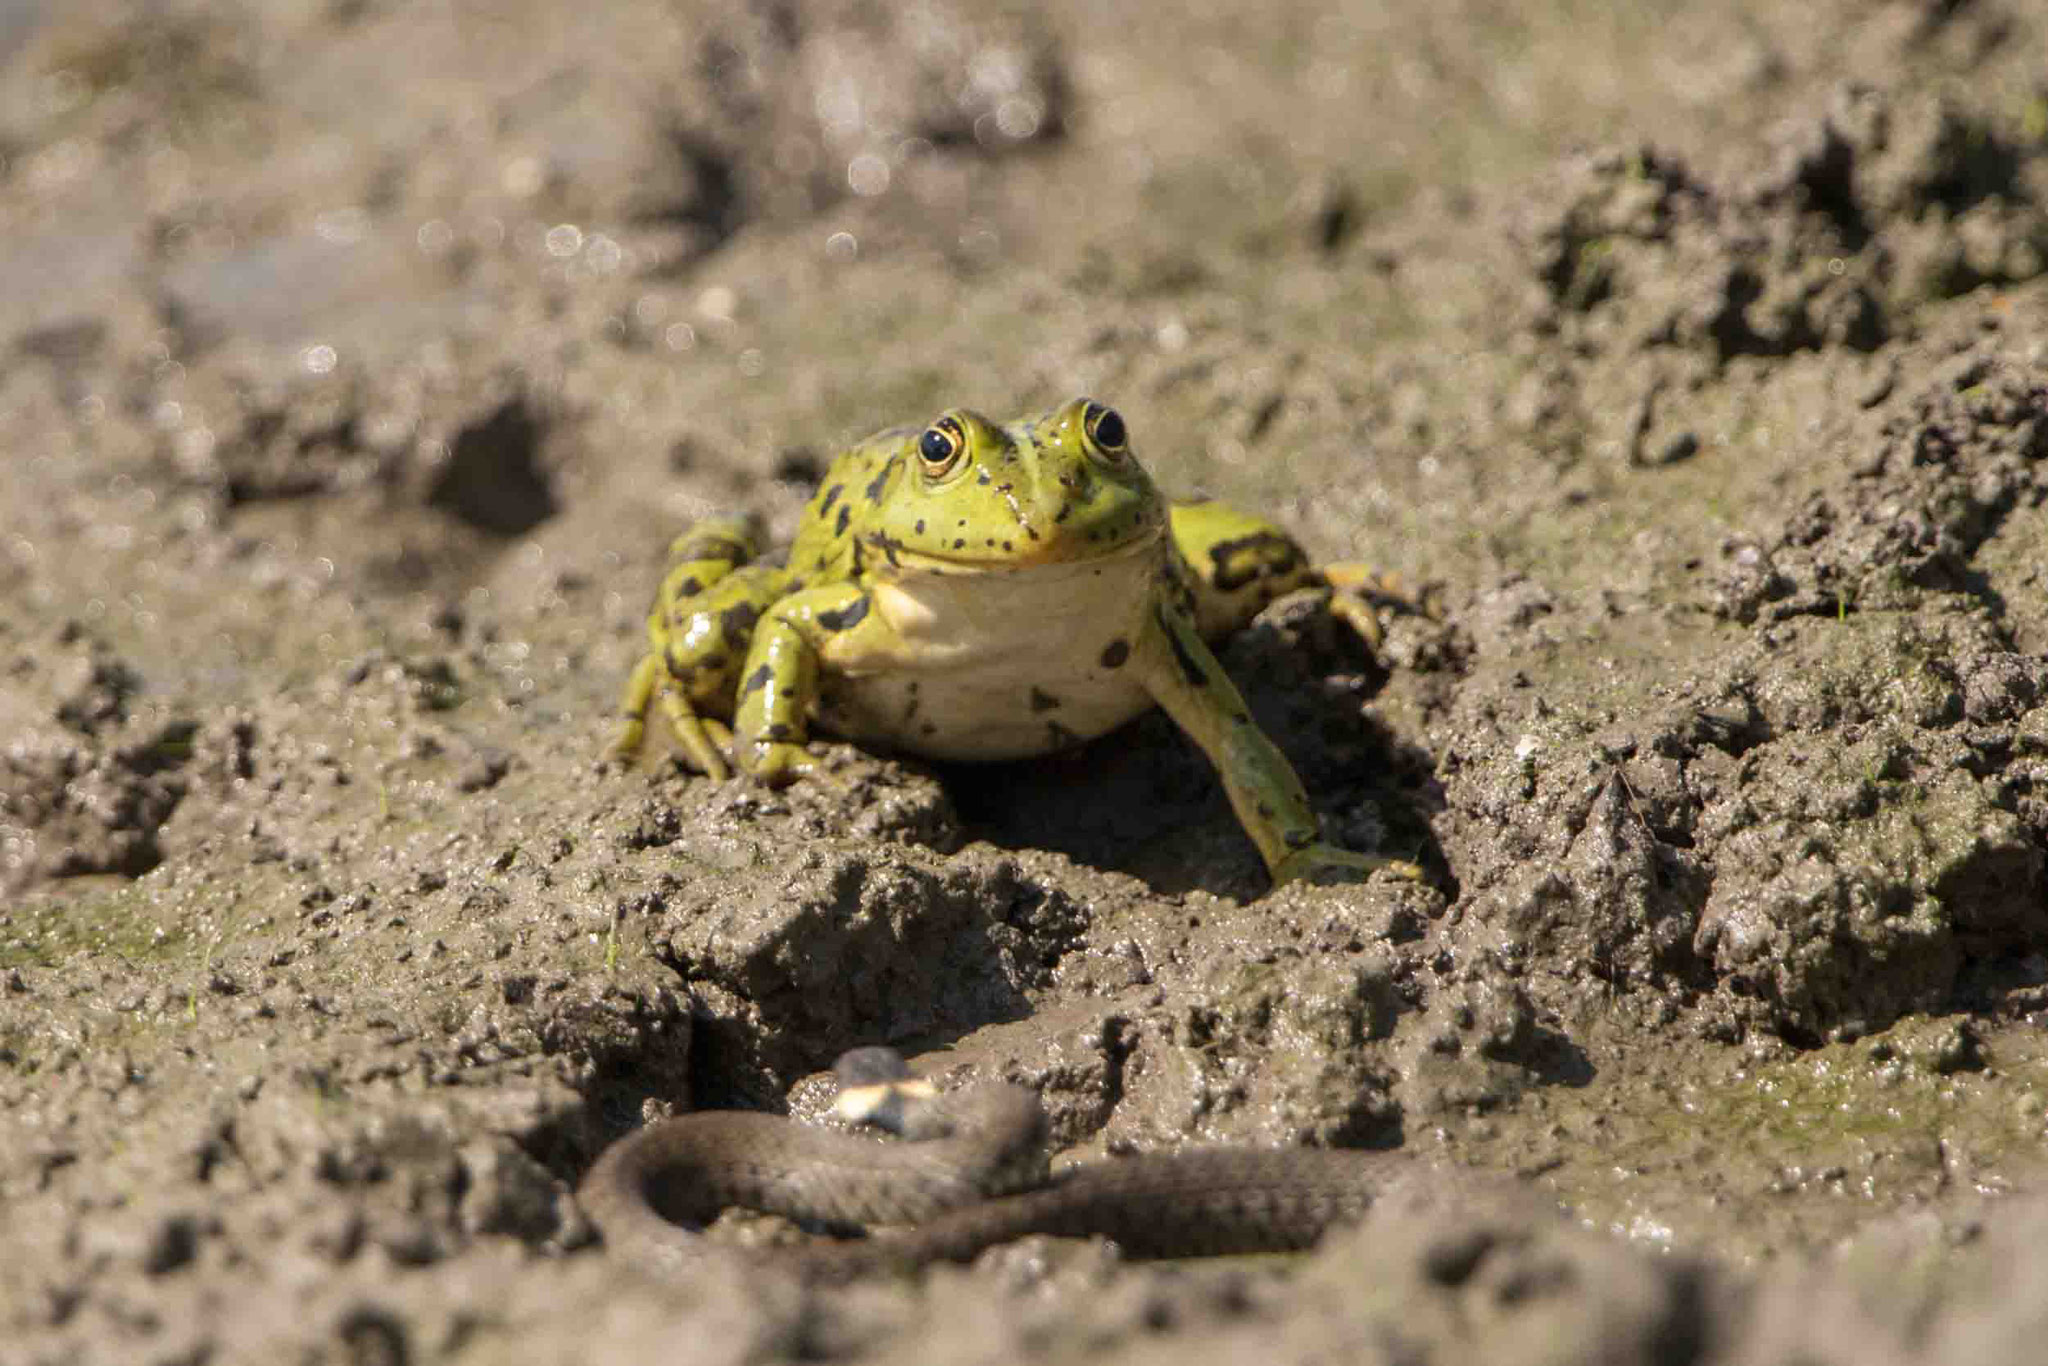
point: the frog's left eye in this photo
(1105, 427)
(940, 446)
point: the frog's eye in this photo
(1106, 429)
(940, 446)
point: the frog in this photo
(982, 590)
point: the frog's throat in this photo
(900, 561)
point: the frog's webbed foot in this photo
(779, 763)
(1326, 863)
(1358, 592)
(624, 749)
(703, 742)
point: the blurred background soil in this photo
(361, 358)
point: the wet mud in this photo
(362, 360)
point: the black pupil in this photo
(1109, 429)
(935, 446)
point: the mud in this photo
(362, 359)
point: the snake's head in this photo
(876, 1087)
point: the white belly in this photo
(998, 665)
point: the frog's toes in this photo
(1326, 863)
(777, 762)
(718, 734)
(701, 741)
(1359, 594)
(624, 750)
(1364, 622)
(1349, 576)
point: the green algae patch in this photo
(1760, 1154)
(120, 921)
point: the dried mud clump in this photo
(852, 947)
(1880, 205)
(238, 433)
(1862, 874)
(1301, 1036)
(86, 787)
(1949, 463)
(1829, 816)
(254, 441)
(1836, 814)
(788, 110)
(1951, 200)
(1900, 718)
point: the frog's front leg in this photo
(1191, 687)
(779, 682)
(698, 631)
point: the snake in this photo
(971, 1173)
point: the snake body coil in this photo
(648, 1186)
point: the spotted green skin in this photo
(1031, 591)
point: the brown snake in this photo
(646, 1187)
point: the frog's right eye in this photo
(940, 446)
(1105, 428)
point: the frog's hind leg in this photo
(1237, 564)
(1357, 591)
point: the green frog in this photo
(969, 590)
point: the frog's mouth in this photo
(887, 555)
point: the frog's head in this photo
(1056, 489)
